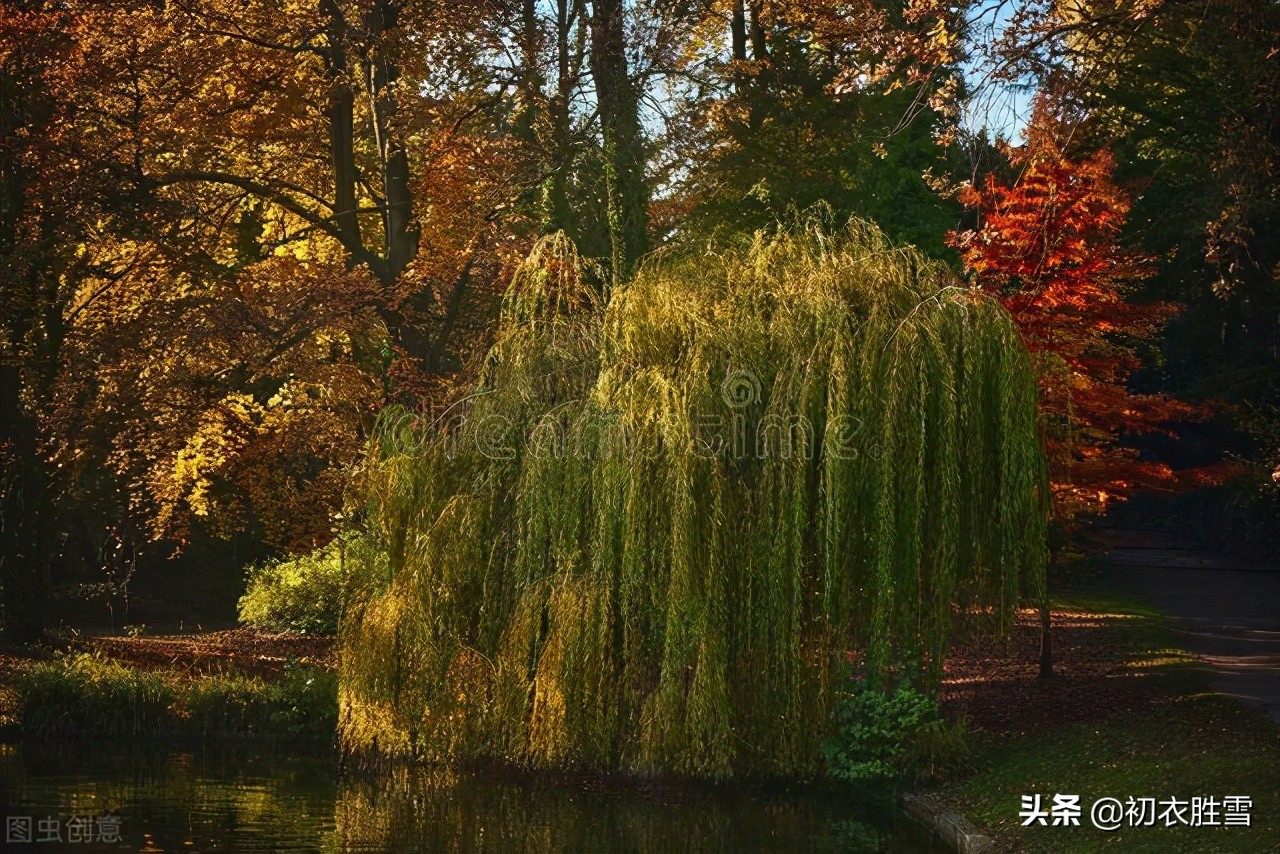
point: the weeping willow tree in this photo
(662, 525)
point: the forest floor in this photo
(990, 683)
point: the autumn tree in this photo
(212, 223)
(232, 232)
(1190, 103)
(1048, 246)
(30, 313)
(1187, 97)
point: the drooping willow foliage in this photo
(657, 530)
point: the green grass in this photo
(1198, 745)
(85, 695)
(1188, 743)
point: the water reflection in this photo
(174, 800)
(216, 799)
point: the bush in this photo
(302, 594)
(304, 702)
(891, 735)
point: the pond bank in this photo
(224, 684)
(949, 827)
(1127, 714)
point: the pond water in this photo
(211, 799)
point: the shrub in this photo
(302, 594)
(304, 702)
(891, 735)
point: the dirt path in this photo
(1223, 609)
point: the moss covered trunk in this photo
(624, 154)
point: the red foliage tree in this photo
(1049, 247)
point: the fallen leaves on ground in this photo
(1099, 671)
(242, 650)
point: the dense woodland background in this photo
(231, 233)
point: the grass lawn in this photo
(1158, 734)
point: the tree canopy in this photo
(231, 234)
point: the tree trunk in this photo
(26, 527)
(400, 229)
(531, 82)
(624, 156)
(1046, 641)
(24, 559)
(342, 133)
(759, 42)
(1046, 634)
(555, 190)
(738, 30)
